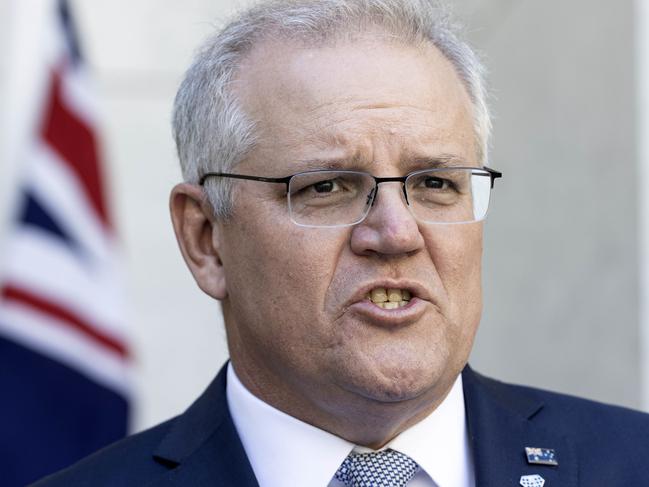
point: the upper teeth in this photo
(389, 298)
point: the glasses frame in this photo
(484, 170)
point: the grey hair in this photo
(212, 132)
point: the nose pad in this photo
(370, 196)
(405, 193)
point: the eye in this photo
(437, 183)
(327, 186)
(433, 183)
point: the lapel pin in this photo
(532, 481)
(541, 456)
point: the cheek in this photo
(307, 261)
(456, 251)
(283, 268)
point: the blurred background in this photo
(565, 253)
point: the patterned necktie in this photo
(385, 468)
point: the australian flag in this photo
(64, 357)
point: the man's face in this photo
(300, 328)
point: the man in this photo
(334, 156)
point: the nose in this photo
(389, 228)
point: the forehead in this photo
(347, 97)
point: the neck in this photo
(360, 420)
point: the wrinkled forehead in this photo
(306, 74)
(298, 93)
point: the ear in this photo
(197, 234)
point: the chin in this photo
(399, 382)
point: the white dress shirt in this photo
(287, 452)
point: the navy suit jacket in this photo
(595, 444)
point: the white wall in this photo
(642, 130)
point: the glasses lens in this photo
(449, 195)
(329, 198)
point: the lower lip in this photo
(390, 317)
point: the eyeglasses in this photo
(328, 198)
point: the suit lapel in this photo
(501, 423)
(203, 448)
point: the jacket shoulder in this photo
(606, 437)
(128, 462)
(595, 443)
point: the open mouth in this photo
(389, 298)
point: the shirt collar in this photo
(283, 450)
(439, 443)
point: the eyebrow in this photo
(334, 163)
(441, 160)
(356, 162)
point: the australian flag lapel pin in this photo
(541, 456)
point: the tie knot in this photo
(386, 468)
